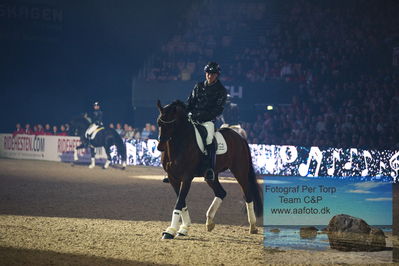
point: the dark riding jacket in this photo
(206, 102)
(97, 117)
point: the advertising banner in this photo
(271, 160)
(49, 148)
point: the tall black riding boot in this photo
(211, 153)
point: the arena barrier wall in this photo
(49, 148)
(278, 160)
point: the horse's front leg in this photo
(180, 211)
(93, 157)
(75, 152)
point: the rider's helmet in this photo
(96, 104)
(212, 67)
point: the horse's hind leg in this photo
(251, 218)
(220, 194)
(242, 178)
(108, 152)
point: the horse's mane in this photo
(79, 120)
(179, 103)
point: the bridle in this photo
(166, 122)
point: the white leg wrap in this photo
(214, 207)
(251, 213)
(107, 164)
(185, 217)
(75, 155)
(124, 164)
(186, 222)
(93, 163)
(172, 229)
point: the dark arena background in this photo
(315, 85)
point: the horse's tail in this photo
(254, 186)
(120, 146)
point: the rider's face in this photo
(96, 107)
(211, 77)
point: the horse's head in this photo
(170, 119)
(79, 124)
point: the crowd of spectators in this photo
(204, 33)
(129, 132)
(126, 131)
(338, 53)
(361, 114)
(39, 129)
(348, 94)
(292, 40)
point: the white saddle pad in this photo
(221, 147)
(93, 133)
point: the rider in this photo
(96, 119)
(205, 103)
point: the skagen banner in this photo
(275, 160)
(368, 165)
(371, 165)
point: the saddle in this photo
(200, 134)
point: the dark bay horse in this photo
(181, 159)
(106, 138)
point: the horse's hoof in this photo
(253, 230)
(166, 235)
(210, 227)
(91, 166)
(124, 168)
(181, 234)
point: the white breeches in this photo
(210, 130)
(91, 129)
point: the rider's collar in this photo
(208, 85)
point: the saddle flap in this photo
(221, 147)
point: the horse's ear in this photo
(160, 108)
